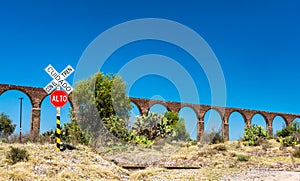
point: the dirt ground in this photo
(228, 161)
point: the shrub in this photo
(220, 148)
(238, 144)
(117, 127)
(233, 154)
(15, 155)
(243, 158)
(254, 135)
(296, 153)
(213, 137)
(142, 140)
(286, 131)
(287, 141)
(48, 136)
(289, 135)
(154, 125)
(147, 125)
(73, 134)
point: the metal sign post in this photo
(21, 99)
(58, 98)
(58, 127)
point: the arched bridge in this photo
(37, 95)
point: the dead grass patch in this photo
(142, 174)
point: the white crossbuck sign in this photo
(59, 79)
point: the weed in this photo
(141, 175)
(287, 141)
(220, 148)
(296, 153)
(243, 158)
(213, 137)
(233, 154)
(15, 155)
(238, 144)
(231, 165)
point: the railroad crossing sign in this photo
(59, 79)
(59, 98)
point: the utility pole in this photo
(21, 99)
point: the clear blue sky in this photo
(256, 43)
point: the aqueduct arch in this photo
(37, 95)
(200, 110)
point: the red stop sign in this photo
(59, 98)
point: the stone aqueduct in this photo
(37, 95)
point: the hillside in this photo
(226, 161)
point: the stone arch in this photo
(155, 102)
(191, 125)
(174, 106)
(42, 100)
(10, 105)
(219, 114)
(215, 109)
(158, 104)
(283, 118)
(139, 108)
(275, 127)
(236, 115)
(135, 111)
(35, 95)
(297, 119)
(191, 107)
(20, 90)
(240, 112)
(262, 115)
(142, 104)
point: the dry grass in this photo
(142, 174)
(45, 163)
(215, 161)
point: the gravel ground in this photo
(268, 175)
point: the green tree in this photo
(110, 96)
(180, 132)
(172, 118)
(101, 102)
(6, 126)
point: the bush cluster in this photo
(155, 125)
(149, 128)
(71, 133)
(289, 135)
(243, 158)
(254, 135)
(213, 137)
(145, 130)
(220, 148)
(15, 155)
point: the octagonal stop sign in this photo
(59, 98)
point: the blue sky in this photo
(256, 43)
